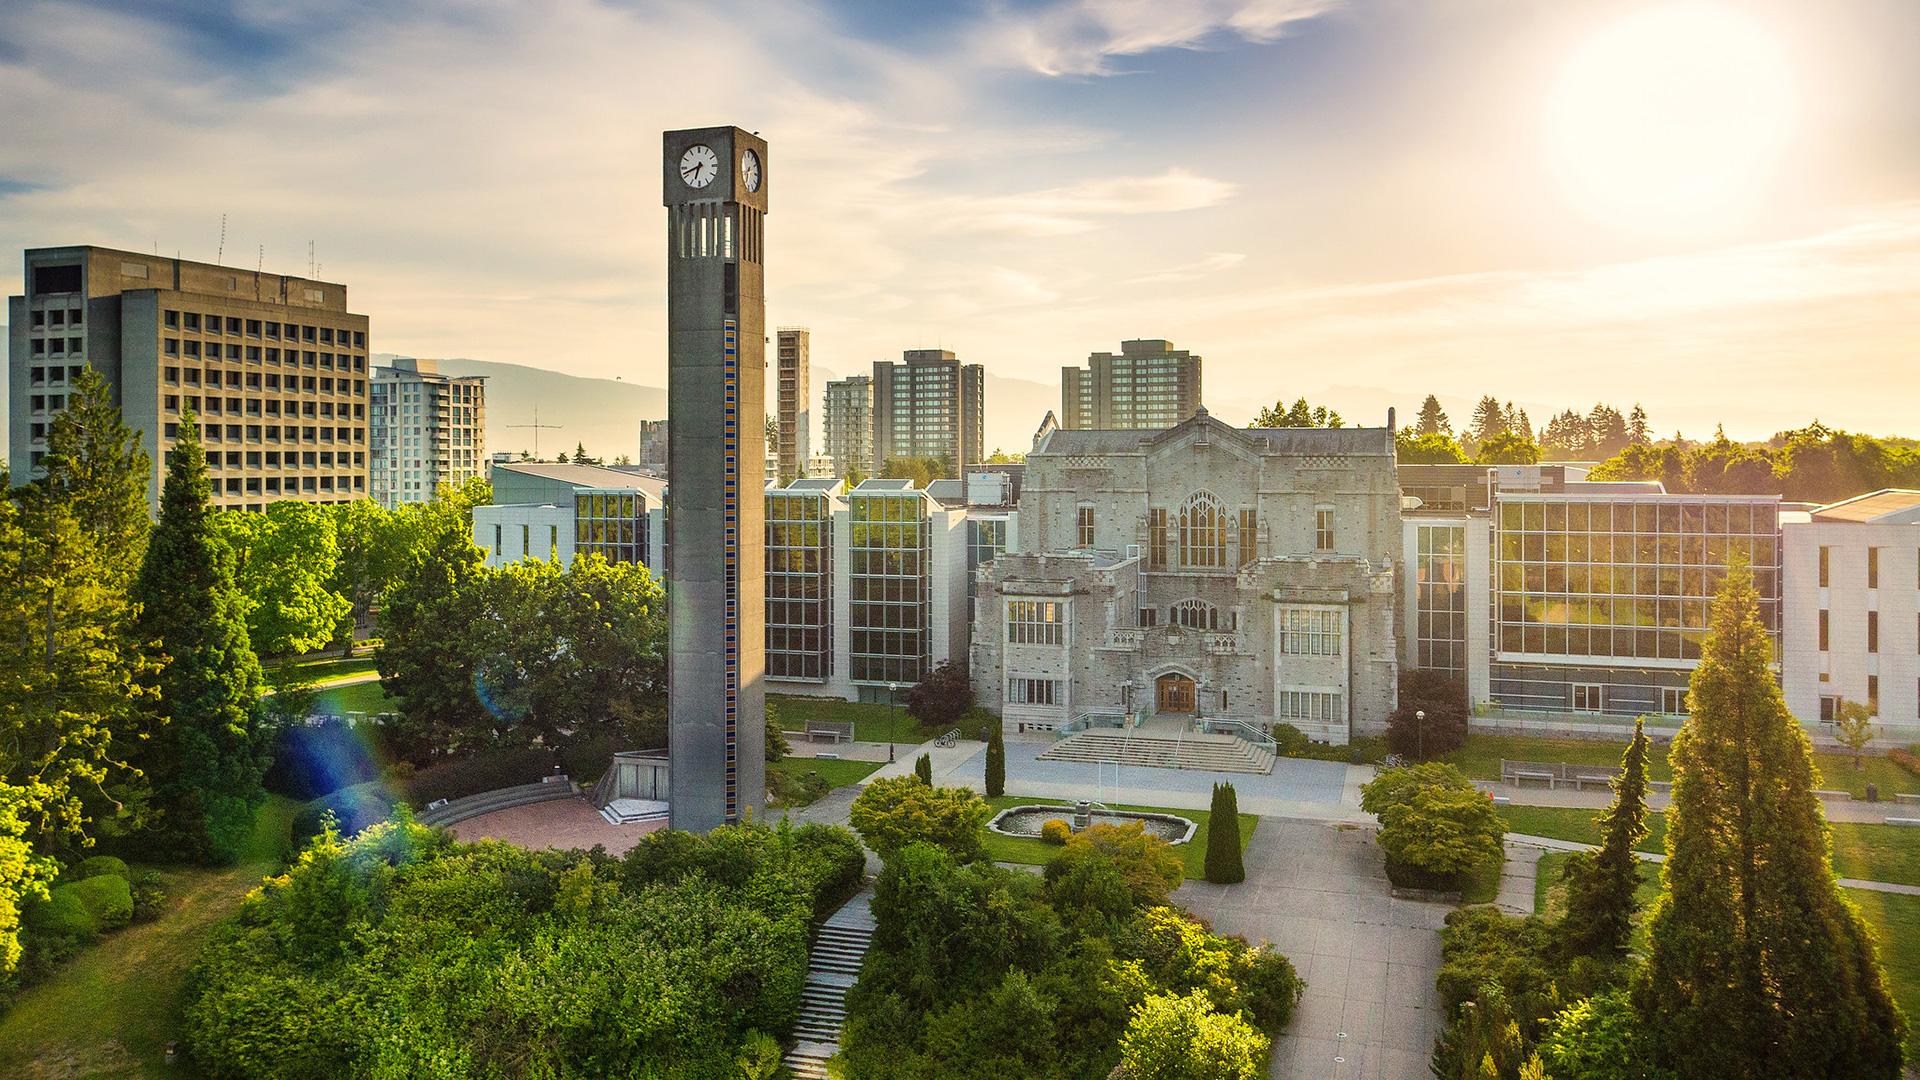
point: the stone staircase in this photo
(1163, 750)
(839, 948)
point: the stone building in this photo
(1202, 571)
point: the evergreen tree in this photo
(1758, 968)
(1224, 865)
(1638, 433)
(996, 762)
(206, 760)
(1488, 419)
(95, 466)
(1600, 885)
(923, 768)
(1433, 419)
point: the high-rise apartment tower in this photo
(929, 405)
(1149, 384)
(849, 424)
(428, 431)
(795, 442)
(274, 367)
(714, 188)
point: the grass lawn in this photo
(1480, 759)
(870, 722)
(836, 773)
(321, 670)
(1033, 851)
(364, 697)
(111, 1010)
(1861, 850)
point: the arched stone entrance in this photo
(1173, 693)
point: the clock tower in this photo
(714, 187)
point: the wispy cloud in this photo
(1213, 263)
(1082, 37)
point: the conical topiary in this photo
(1224, 865)
(996, 762)
(923, 768)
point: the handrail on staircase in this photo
(1244, 730)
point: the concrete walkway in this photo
(1548, 843)
(1319, 893)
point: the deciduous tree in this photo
(943, 697)
(1757, 967)
(284, 560)
(1853, 726)
(206, 760)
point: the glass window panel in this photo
(1556, 517)
(1535, 516)
(1577, 517)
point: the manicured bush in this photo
(1224, 864)
(148, 895)
(996, 767)
(1182, 1038)
(108, 899)
(1906, 759)
(1433, 819)
(923, 768)
(1290, 741)
(481, 772)
(61, 915)
(1144, 861)
(1056, 832)
(101, 864)
(891, 814)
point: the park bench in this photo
(1556, 773)
(831, 730)
(1903, 797)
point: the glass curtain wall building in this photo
(611, 524)
(1440, 600)
(889, 552)
(800, 582)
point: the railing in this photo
(1087, 720)
(1243, 729)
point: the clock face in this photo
(750, 170)
(699, 166)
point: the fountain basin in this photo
(1027, 820)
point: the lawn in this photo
(871, 723)
(1480, 759)
(319, 670)
(1861, 850)
(111, 1011)
(364, 697)
(1033, 851)
(836, 773)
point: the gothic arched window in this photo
(1197, 615)
(1203, 540)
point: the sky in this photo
(1711, 208)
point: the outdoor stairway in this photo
(839, 947)
(1163, 750)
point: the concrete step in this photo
(1208, 753)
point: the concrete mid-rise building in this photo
(1851, 611)
(1149, 384)
(273, 367)
(793, 401)
(428, 431)
(849, 424)
(929, 405)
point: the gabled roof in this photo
(1890, 506)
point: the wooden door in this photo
(1174, 694)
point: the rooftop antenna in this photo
(536, 426)
(262, 264)
(220, 257)
(311, 268)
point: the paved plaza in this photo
(1317, 891)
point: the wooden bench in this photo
(832, 730)
(1556, 773)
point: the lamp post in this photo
(892, 688)
(1420, 727)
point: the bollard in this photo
(1873, 792)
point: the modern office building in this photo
(427, 432)
(793, 402)
(849, 424)
(714, 183)
(547, 510)
(1563, 601)
(1245, 577)
(274, 367)
(1851, 603)
(929, 405)
(1148, 384)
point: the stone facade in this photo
(1205, 570)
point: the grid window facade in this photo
(986, 541)
(1440, 599)
(1203, 541)
(799, 586)
(611, 525)
(1310, 632)
(1036, 622)
(1628, 579)
(890, 544)
(1024, 691)
(1309, 705)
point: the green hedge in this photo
(102, 864)
(481, 772)
(82, 910)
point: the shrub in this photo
(1433, 819)
(108, 898)
(481, 772)
(801, 790)
(1444, 729)
(318, 759)
(101, 864)
(1906, 759)
(1056, 832)
(942, 698)
(1148, 863)
(148, 896)
(923, 768)
(1599, 1038)
(354, 809)
(1182, 1038)
(1290, 741)
(996, 767)
(1224, 864)
(61, 915)
(893, 813)
(777, 746)
(586, 760)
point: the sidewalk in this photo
(1548, 843)
(1856, 810)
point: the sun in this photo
(1671, 119)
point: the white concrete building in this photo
(1851, 600)
(548, 510)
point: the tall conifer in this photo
(1601, 884)
(996, 762)
(94, 465)
(1758, 968)
(1224, 865)
(206, 759)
